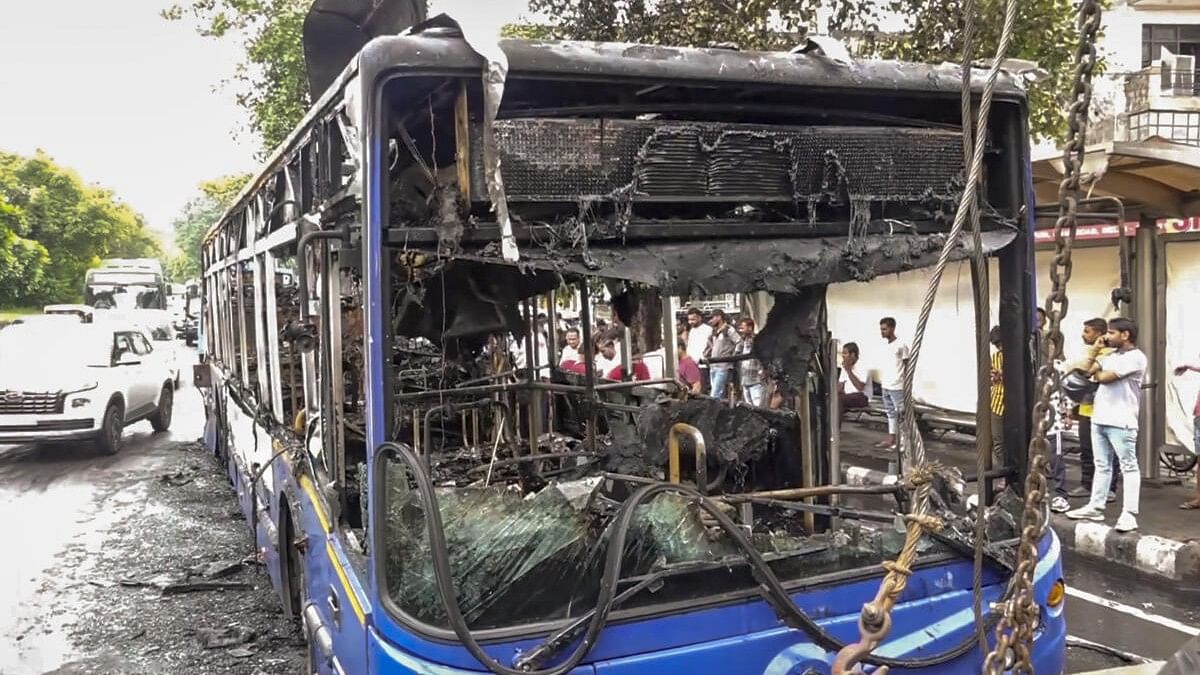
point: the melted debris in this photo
(197, 604)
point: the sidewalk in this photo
(1167, 545)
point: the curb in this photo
(861, 475)
(1169, 559)
(1176, 561)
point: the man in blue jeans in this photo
(1115, 421)
(721, 344)
(891, 377)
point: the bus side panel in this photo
(333, 587)
(262, 518)
(387, 659)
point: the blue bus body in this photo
(934, 614)
(328, 579)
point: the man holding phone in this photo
(1115, 421)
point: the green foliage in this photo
(750, 24)
(194, 222)
(932, 32)
(270, 82)
(53, 227)
(1044, 32)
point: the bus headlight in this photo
(1058, 593)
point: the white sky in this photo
(131, 101)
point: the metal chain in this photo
(1014, 634)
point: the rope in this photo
(970, 191)
(875, 619)
(979, 283)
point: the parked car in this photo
(48, 321)
(87, 383)
(156, 324)
(82, 312)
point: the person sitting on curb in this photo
(1194, 503)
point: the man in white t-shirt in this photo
(570, 351)
(606, 357)
(1115, 421)
(852, 380)
(891, 377)
(697, 341)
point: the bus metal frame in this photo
(290, 474)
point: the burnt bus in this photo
(438, 488)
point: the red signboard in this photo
(1112, 231)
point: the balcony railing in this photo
(1146, 88)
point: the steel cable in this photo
(875, 620)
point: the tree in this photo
(1044, 32)
(53, 227)
(22, 261)
(271, 82)
(931, 30)
(197, 217)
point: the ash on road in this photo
(90, 582)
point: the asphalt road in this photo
(1112, 607)
(93, 539)
(81, 525)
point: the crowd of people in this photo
(1100, 397)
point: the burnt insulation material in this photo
(736, 266)
(731, 435)
(456, 299)
(791, 335)
(549, 159)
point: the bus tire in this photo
(291, 567)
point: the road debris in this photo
(215, 638)
(175, 543)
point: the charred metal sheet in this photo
(732, 266)
(335, 30)
(791, 335)
(598, 61)
(495, 71)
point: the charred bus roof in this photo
(441, 48)
(871, 91)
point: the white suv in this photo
(83, 382)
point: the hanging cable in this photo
(621, 525)
(1014, 635)
(982, 296)
(875, 619)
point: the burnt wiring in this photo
(606, 600)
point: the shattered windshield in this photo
(518, 559)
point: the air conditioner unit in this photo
(1185, 74)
